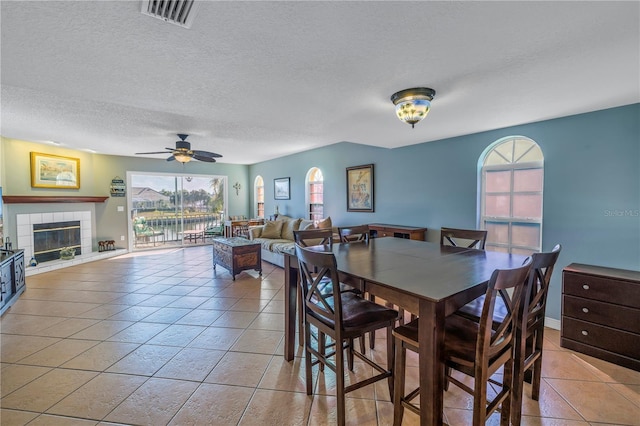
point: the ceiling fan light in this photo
(413, 105)
(182, 157)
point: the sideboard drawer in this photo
(613, 291)
(603, 313)
(613, 340)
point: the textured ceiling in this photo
(259, 80)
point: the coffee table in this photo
(237, 254)
(193, 235)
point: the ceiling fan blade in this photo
(171, 158)
(206, 154)
(159, 152)
(204, 158)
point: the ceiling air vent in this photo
(179, 12)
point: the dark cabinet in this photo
(12, 278)
(378, 230)
(601, 313)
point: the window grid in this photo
(259, 196)
(508, 232)
(315, 194)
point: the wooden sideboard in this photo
(12, 278)
(601, 313)
(408, 232)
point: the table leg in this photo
(290, 287)
(431, 335)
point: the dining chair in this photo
(317, 237)
(474, 348)
(530, 334)
(469, 238)
(343, 316)
(351, 234)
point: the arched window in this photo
(512, 175)
(258, 196)
(314, 197)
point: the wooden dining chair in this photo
(476, 349)
(343, 317)
(469, 238)
(351, 234)
(530, 334)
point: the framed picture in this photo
(360, 188)
(54, 171)
(281, 189)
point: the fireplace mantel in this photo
(30, 199)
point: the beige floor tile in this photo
(357, 411)
(103, 312)
(274, 307)
(191, 364)
(67, 327)
(326, 383)
(250, 305)
(58, 353)
(190, 302)
(26, 324)
(16, 347)
(586, 398)
(268, 407)
(153, 403)
(96, 398)
(219, 303)
(46, 390)
(139, 332)
(102, 330)
(230, 403)
(177, 335)
(203, 317)
(241, 369)
(51, 308)
(145, 360)
(258, 341)
(565, 365)
(608, 372)
(101, 356)
(134, 313)
(51, 420)
(543, 421)
(216, 338)
(15, 376)
(167, 315)
(286, 376)
(550, 404)
(16, 417)
(235, 319)
(268, 321)
(631, 392)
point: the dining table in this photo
(424, 278)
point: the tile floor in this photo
(159, 338)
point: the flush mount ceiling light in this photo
(412, 105)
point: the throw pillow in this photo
(306, 224)
(288, 227)
(324, 223)
(272, 229)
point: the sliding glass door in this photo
(174, 210)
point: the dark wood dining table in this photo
(427, 279)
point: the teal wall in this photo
(591, 191)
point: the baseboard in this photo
(552, 323)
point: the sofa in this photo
(276, 236)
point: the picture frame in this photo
(360, 188)
(54, 171)
(282, 188)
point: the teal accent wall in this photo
(591, 187)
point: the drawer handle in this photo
(585, 333)
(585, 286)
(585, 310)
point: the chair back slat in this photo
(351, 234)
(313, 237)
(320, 284)
(541, 270)
(455, 237)
(493, 340)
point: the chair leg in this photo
(340, 383)
(300, 313)
(307, 358)
(391, 347)
(349, 354)
(507, 381)
(399, 383)
(372, 335)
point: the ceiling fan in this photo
(183, 152)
